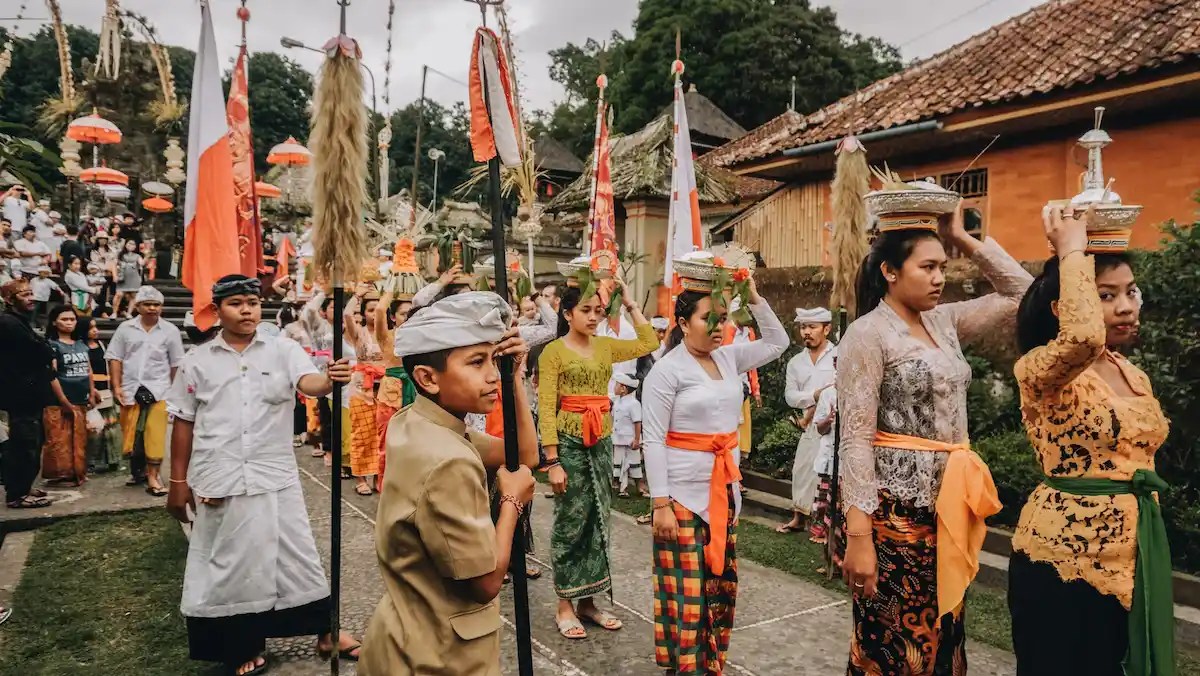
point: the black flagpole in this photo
(835, 510)
(520, 584)
(335, 473)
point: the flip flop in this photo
(571, 625)
(645, 519)
(29, 502)
(789, 528)
(5, 613)
(602, 619)
(533, 573)
(343, 654)
(363, 490)
(156, 492)
(260, 669)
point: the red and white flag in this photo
(210, 248)
(602, 217)
(683, 219)
(494, 115)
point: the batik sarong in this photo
(819, 521)
(693, 608)
(580, 538)
(64, 453)
(898, 630)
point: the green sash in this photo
(1152, 618)
(408, 391)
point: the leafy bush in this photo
(1015, 470)
(776, 451)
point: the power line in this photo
(948, 22)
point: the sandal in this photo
(623, 494)
(571, 625)
(29, 502)
(645, 519)
(533, 573)
(602, 619)
(318, 453)
(156, 492)
(789, 528)
(258, 668)
(364, 490)
(39, 493)
(343, 654)
(5, 613)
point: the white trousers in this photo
(627, 463)
(804, 479)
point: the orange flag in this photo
(210, 246)
(241, 145)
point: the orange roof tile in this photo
(1054, 46)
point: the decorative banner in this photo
(683, 221)
(603, 216)
(210, 241)
(242, 146)
(494, 117)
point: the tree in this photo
(742, 54)
(575, 68)
(448, 130)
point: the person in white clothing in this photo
(32, 251)
(15, 205)
(627, 435)
(824, 418)
(44, 290)
(808, 373)
(81, 288)
(691, 402)
(660, 324)
(253, 570)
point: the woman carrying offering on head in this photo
(576, 431)
(692, 401)
(913, 528)
(1090, 574)
(369, 368)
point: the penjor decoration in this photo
(339, 141)
(851, 182)
(495, 140)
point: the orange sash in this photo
(725, 472)
(967, 497)
(370, 373)
(593, 408)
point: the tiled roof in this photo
(1054, 46)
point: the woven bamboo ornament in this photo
(851, 182)
(339, 146)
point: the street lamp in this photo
(437, 156)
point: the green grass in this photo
(988, 620)
(100, 595)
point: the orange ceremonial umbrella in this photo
(93, 129)
(157, 205)
(290, 153)
(103, 175)
(264, 189)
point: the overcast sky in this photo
(438, 32)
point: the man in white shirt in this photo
(253, 570)
(15, 206)
(142, 359)
(661, 326)
(808, 374)
(32, 251)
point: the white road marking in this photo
(569, 669)
(789, 616)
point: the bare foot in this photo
(250, 666)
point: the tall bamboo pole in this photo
(507, 399)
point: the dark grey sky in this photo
(438, 32)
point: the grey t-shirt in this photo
(74, 369)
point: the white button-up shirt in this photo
(805, 377)
(241, 406)
(146, 355)
(680, 396)
(626, 411)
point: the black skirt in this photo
(1063, 628)
(237, 639)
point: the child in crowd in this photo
(627, 435)
(443, 560)
(129, 277)
(81, 289)
(824, 416)
(44, 290)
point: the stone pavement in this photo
(785, 626)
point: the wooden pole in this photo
(835, 509)
(412, 219)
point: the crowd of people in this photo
(606, 404)
(95, 266)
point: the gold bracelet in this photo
(178, 481)
(669, 503)
(861, 534)
(515, 503)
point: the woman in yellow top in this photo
(1089, 583)
(576, 430)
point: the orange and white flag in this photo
(210, 247)
(683, 219)
(493, 111)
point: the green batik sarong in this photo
(579, 540)
(1152, 617)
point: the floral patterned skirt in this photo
(579, 539)
(898, 631)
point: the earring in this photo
(891, 278)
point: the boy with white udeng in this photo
(443, 560)
(627, 434)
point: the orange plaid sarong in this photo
(364, 441)
(693, 606)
